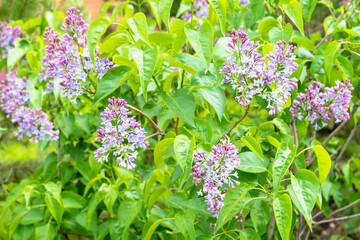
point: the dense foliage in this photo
(212, 119)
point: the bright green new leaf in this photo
(307, 8)
(145, 60)
(220, 7)
(253, 145)
(303, 191)
(283, 160)
(251, 163)
(112, 79)
(185, 223)
(160, 151)
(164, 9)
(324, 162)
(329, 55)
(139, 25)
(283, 215)
(96, 30)
(216, 98)
(292, 8)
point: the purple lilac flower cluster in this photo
(319, 104)
(252, 75)
(120, 135)
(244, 2)
(69, 59)
(7, 37)
(14, 100)
(210, 174)
(200, 10)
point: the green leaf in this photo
(54, 190)
(177, 28)
(292, 8)
(145, 60)
(307, 8)
(113, 42)
(266, 25)
(15, 222)
(305, 42)
(96, 30)
(220, 7)
(216, 98)
(235, 200)
(91, 208)
(251, 163)
(253, 145)
(324, 162)
(329, 55)
(181, 104)
(164, 9)
(318, 59)
(201, 41)
(139, 26)
(111, 194)
(249, 234)
(283, 215)
(160, 152)
(283, 160)
(45, 231)
(183, 148)
(14, 55)
(203, 80)
(303, 191)
(55, 208)
(112, 79)
(13, 196)
(128, 211)
(152, 229)
(346, 66)
(185, 223)
(281, 125)
(66, 123)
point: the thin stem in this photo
(59, 154)
(177, 126)
(157, 84)
(271, 227)
(152, 135)
(161, 132)
(294, 131)
(238, 121)
(345, 207)
(345, 145)
(337, 219)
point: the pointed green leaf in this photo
(283, 160)
(292, 8)
(112, 79)
(160, 152)
(139, 26)
(253, 145)
(96, 30)
(303, 191)
(307, 8)
(185, 223)
(220, 7)
(329, 55)
(283, 215)
(182, 104)
(324, 162)
(145, 60)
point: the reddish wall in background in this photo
(93, 7)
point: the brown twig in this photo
(161, 132)
(294, 131)
(152, 135)
(352, 133)
(238, 121)
(271, 227)
(59, 154)
(6, 181)
(336, 219)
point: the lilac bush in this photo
(319, 104)
(120, 135)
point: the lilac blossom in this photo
(68, 58)
(8, 35)
(244, 2)
(14, 101)
(14, 93)
(252, 75)
(200, 10)
(33, 123)
(319, 104)
(212, 174)
(120, 135)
